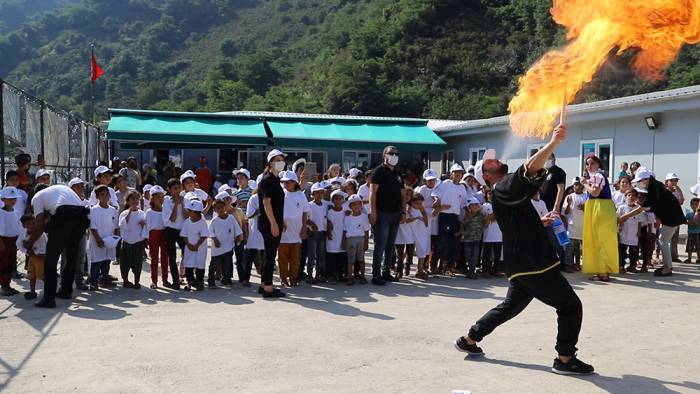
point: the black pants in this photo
(336, 264)
(65, 230)
(448, 226)
(628, 251)
(271, 245)
(491, 256)
(195, 276)
(224, 262)
(246, 266)
(174, 240)
(304, 256)
(552, 289)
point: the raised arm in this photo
(537, 161)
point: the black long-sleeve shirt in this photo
(526, 247)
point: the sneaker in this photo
(462, 345)
(30, 295)
(573, 367)
(378, 281)
(276, 293)
(93, 287)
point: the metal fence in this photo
(57, 141)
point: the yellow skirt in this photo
(600, 254)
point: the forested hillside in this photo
(421, 58)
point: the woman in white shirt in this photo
(132, 222)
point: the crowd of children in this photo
(325, 233)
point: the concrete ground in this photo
(640, 332)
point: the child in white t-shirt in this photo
(174, 212)
(356, 240)
(629, 232)
(104, 222)
(195, 233)
(573, 207)
(35, 265)
(335, 254)
(224, 232)
(255, 244)
(405, 244)
(647, 232)
(10, 229)
(296, 209)
(132, 222)
(316, 246)
(417, 219)
(157, 244)
(492, 242)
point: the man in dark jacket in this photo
(530, 259)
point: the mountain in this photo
(15, 13)
(450, 59)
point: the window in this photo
(601, 148)
(448, 159)
(476, 154)
(228, 160)
(532, 149)
(355, 159)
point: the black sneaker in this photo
(573, 367)
(276, 293)
(30, 295)
(378, 281)
(462, 345)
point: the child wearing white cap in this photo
(146, 196)
(335, 254)
(174, 213)
(12, 179)
(224, 231)
(103, 176)
(672, 186)
(157, 245)
(318, 221)
(449, 199)
(417, 219)
(195, 234)
(35, 263)
(356, 240)
(404, 243)
(132, 222)
(10, 229)
(471, 234)
(573, 207)
(296, 210)
(104, 222)
(492, 241)
(430, 181)
(190, 186)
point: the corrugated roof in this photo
(604, 105)
(321, 117)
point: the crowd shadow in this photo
(685, 279)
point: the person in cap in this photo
(600, 247)
(573, 209)
(271, 219)
(244, 189)
(629, 234)
(355, 240)
(104, 224)
(419, 223)
(430, 181)
(404, 243)
(103, 176)
(647, 231)
(317, 222)
(132, 229)
(672, 186)
(333, 175)
(385, 213)
(12, 178)
(35, 263)
(67, 218)
(449, 199)
(157, 244)
(42, 177)
(10, 229)
(296, 210)
(364, 190)
(189, 185)
(174, 214)
(195, 234)
(224, 232)
(471, 234)
(78, 186)
(335, 253)
(146, 196)
(665, 206)
(529, 258)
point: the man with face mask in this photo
(552, 193)
(385, 213)
(529, 258)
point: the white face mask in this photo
(548, 164)
(392, 160)
(279, 165)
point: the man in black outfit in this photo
(552, 193)
(529, 258)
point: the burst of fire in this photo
(657, 28)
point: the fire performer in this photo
(530, 260)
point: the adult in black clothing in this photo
(666, 208)
(529, 257)
(552, 193)
(271, 219)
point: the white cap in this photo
(191, 196)
(42, 172)
(670, 176)
(325, 184)
(274, 153)
(642, 174)
(350, 180)
(253, 185)
(640, 190)
(75, 181)
(470, 170)
(338, 179)
(429, 174)
(467, 175)
(490, 154)
(354, 172)
(147, 188)
(157, 189)
(101, 170)
(289, 176)
(9, 192)
(242, 171)
(187, 174)
(196, 206)
(339, 193)
(472, 201)
(224, 188)
(456, 167)
(575, 180)
(317, 187)
(296, 164)
(222, 195)
(354, 198)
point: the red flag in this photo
(95, 69)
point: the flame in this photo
(596, 28)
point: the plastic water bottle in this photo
(560, 232)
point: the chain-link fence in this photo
(57, 141)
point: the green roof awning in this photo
(355, 134)
(192, 129)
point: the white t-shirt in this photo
(540, 207)
(364, 191)
(10, 226)
(104, 221)
(404, 236)
(132, 232)
(355, 226)
(192, 232)
(168, 207)
(21, 203)
(226, 231)
(255, 239)
(154, 220)
(650, 218)
(695, 190)
(49, 199)
(629, 229)
(492, 233)
(618, 198)
(453, 195)
(337, 219)
(420, 233)
(295, 206)
(427, 192)
(318, 214)
(575, 216)
(113, 199)
(39, 246)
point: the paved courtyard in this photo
(640, 332)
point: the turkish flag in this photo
(95, 69)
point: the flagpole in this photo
(92, 83)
